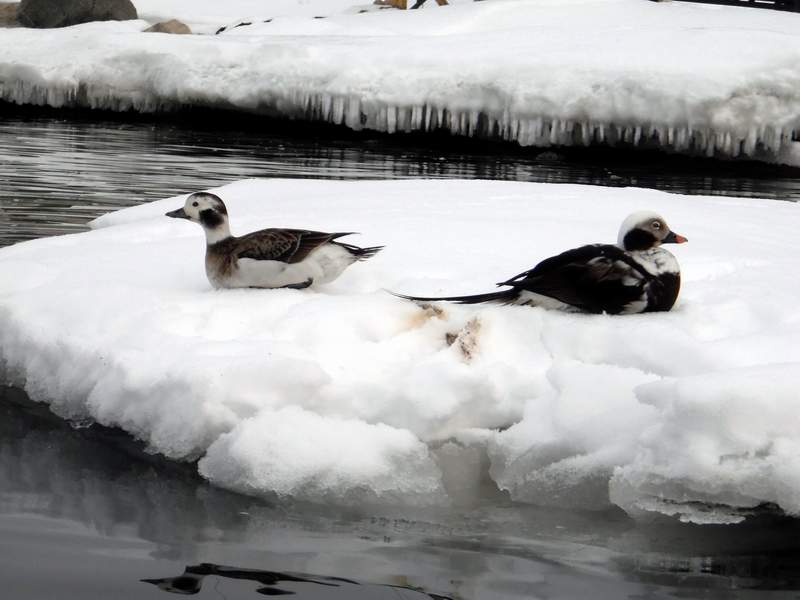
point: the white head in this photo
(209, 211)
(644, 230)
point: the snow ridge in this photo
(349, 395)
(752, 140)
(715, 82)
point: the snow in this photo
(320, 458)
(349, 395)
(212, 13)
(693, 78)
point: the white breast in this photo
(656, 261)
(528, 298)
(330, 261)
(323, 265)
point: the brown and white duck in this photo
(269, 258)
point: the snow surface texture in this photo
(206, 16)
(692, 78)
(350, 395)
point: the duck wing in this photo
(595, 278)
(284, 245)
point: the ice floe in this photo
(699, 79)
(350, 395)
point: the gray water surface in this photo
(56, 174)
(85, 514)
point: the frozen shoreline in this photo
(119, 325)
(695, 79)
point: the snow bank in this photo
(206, 16)
(751, 459)
(296, 452)
(691, 78)
(349, 395)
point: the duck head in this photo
(644, 230)
(209, 211)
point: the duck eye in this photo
(656, 224)
(195, 204)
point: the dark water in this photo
(56, 174)
(86, 514)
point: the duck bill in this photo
(178, 214)
(674, 238)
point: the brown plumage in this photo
(269, 258)
(286, 245)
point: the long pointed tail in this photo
(504, 297)
(360, 253)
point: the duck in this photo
(635, 275)
(269, 258)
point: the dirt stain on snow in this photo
(427, 312)
(466, 340)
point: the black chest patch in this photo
(211, 218)
(638, 239)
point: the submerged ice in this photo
(353, 396)
(714, 81)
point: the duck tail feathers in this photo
(361, 253)
(503, 297)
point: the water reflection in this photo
(274, 583)
(95, 492)
(56, 173)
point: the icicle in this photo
(337, 110)
(353, 115)
(516, 130)
(504, 125)
(389, 118)
(403, 118)
(750, 141)
(553, 132)
(416, 117)
(584, 133)
(428, 118)
(474, 118)
(523, 132)
(358, 112)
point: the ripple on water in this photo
(57, 174)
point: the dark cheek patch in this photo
(638, 239)
(211, 218)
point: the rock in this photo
(62, 13)
(171, 26)
(8, 14)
